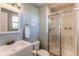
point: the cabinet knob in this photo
(68, 28)
(53, 28)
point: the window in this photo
(15, 22)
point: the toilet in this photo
(37, 51)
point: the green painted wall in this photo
(27, 11)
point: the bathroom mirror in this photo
(9, 21)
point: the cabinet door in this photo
(3, 22)
(69, 34)
(78, 32)
(54, 35)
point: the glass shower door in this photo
(54, 35)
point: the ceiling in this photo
(39, 4)
(58, 6)
(55, 6)
(52, 5)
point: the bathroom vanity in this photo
(20, 48)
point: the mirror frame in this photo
(11, 8)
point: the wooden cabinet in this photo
(69, 33)
(3, 22)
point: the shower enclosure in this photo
(63, 33)
(54, 35)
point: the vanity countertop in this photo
(7, 50)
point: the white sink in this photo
(16, 48)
